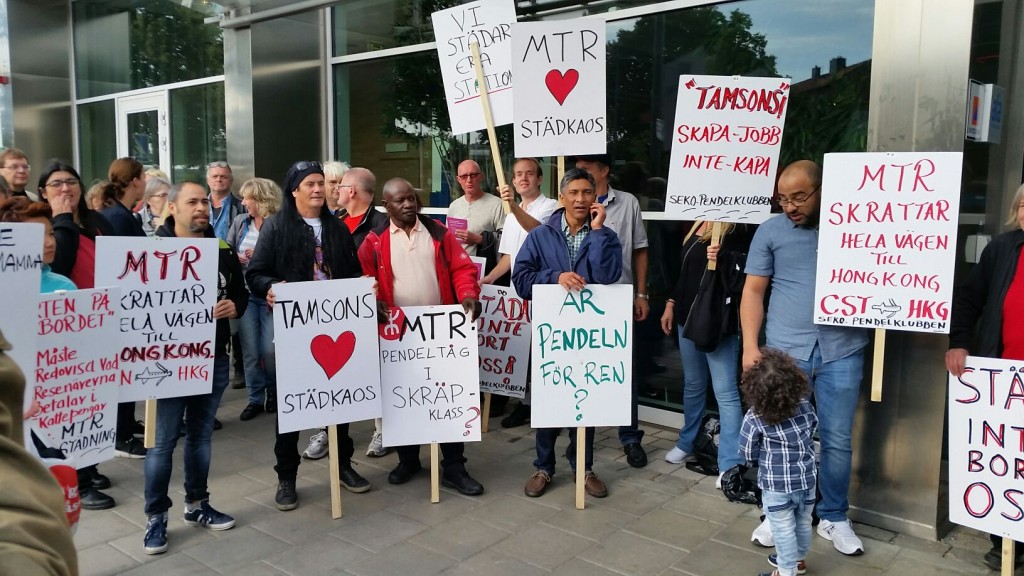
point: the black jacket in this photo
(229, 282)
(66, 233)
(981, 297)
(732, 260)
(272, 262)
(372, 218)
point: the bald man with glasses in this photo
(483, 211)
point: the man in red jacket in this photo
(418, 262)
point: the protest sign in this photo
(488, 23)
(428, 365)
(480, 263)
(503, 335)
(582, 356)
(325, 340)
(559, 107)
(887, 240)
(725, 147)
(21, 264)
(77, 373)
(986, 447)
(169, 287)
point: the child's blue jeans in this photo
(789, 514)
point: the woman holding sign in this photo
(992, 294)
(704, 304)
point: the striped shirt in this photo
(784, 452)
(574, 240)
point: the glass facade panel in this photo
(97, 144)
(198, 134)
(129, 45)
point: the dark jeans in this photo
(287, 453)
(546, 438)
(452, 458)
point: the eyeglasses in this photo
(470, 176)
(340, 185)
(160, 195)
(58, 184)
(219, 164)
(798, 202)
(18, 167)
(300, 166)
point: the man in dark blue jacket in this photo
(573, 249)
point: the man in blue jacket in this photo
(573, 249)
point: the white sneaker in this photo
(376, 448)
(762, 535)
(842, 536)
(677, 456)
(718, 483)
(317, 448)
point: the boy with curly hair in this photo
(777, 433)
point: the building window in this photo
(197, 130)
(97, 139)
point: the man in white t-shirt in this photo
(482, 211)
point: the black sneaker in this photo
(352, 481)
(461, 480)
(206, 517)
(217, 425)
(518, 417)
(271, 404)
(250, 412)
(403, 472)
(286, 497)
(635, 455)
(155, 540)
(129, 449)
(139, 429)
(92, 499)
(99, 481)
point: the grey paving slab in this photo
(713, 508)
(103, 560)
(629, 553)
(377, 532)
(492, 563)
(632, 499)
(511, 512)
(176, 564)
(673, 529)
(236, 546)
(104, 526)
(910, 561)
(255, 569)
(324, 556)
(543, 546)
(429, 513)
(402, 559)
(713, 558)
(459, 538)
(595, 522)
(578, 567)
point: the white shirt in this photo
(513, 236)
(485, 214)
(412, 264)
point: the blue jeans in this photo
(198, 412)
(789, 515)
(836, 388)
(256, 331)
(545, 441)
(718, 368)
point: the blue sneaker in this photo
(155, 541)
(207, 517)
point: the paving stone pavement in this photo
(660, 520)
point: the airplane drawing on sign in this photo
(148, 375)
(889, 308)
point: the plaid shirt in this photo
(784, 452)
(574, 241)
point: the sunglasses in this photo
(300, 166)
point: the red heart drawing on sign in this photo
(332, 354)
(561, 84)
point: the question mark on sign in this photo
(471, 420)
(579, 401)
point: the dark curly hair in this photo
(774, 386)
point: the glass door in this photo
(143, 130)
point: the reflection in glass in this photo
(97, 130)
(144, 137)
(198, 134)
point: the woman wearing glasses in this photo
(154, 202)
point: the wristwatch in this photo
(642, 295)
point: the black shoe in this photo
(994, 558)
(403, 472)
(139, 429)
(498, 404)
(93, 499)
(286, 497)
(238, 381)
(130, 449)
(352, 481)
(249, 412)
(100, 482)
(463, 482)
(635, 455)
(518, 417)
(217, 425)
(271, 405)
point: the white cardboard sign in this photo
(169, 287)
(428, 368)
(325, 341)
(503, 334)
(21, 263)
(77, 372)
(887, 240)
(985, 461)
(725, 147)
(582, 356)
(559, 108)
(489, 23)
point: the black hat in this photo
(298, 172)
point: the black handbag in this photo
(710, 315)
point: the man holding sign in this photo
(573, 249)
(418, 262)
(783, 254)
(479, 215)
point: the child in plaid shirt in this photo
(777, 433)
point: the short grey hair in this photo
(575, 174)
(1018, 197)
(218, 164)
(335, 169)
(155, 184)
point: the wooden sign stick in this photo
(716, 239)
(332, 451)
(581, 466)
(481, 88)
(486, 417)
(435, 473)
(149, 440)
(561, 171)
(1007, 567)
(877, 364)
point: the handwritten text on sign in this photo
(559, 107)
(428, 367)
(21, 264)
(582, 356)
(77, 372)
(725, 147)
(169, 287)
(488, 23)
(986, 447)
(887, 240)
(503, 332)
(325, 339)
